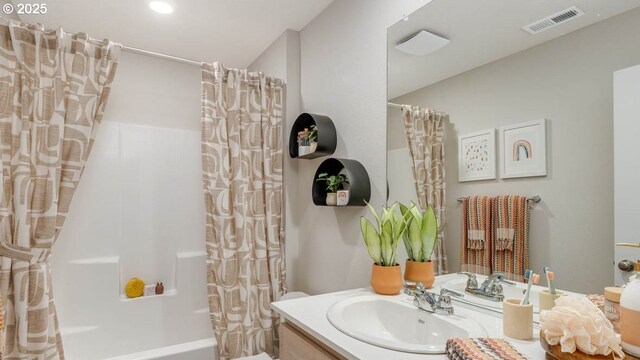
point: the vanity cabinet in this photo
(296, 344)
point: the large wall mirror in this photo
(496, 82)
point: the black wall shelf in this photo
(359, 184)
(327, 139)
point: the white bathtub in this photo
(196, 350)
(101, 324)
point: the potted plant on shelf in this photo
(334, 183)
(303, 142)
(420, 240)
(313, 138)
(382, 244)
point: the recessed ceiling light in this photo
(162, 7)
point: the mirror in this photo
(514, 70)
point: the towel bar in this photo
(535, 199)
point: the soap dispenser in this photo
(630, 311)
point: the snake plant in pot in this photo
(419, 241)
(382, 243)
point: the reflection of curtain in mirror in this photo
(425, 139)
(53, 91)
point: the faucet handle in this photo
(444, 305)
(500, 277)
(472, 281)
(447, 292)
(418, 288)
(506, 282)
(466, 273)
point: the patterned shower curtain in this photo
(425, 139)
(53, 90)
(242, 149)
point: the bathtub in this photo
(196, 350)
(101, 325)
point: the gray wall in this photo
(568, 81)
(343, 53)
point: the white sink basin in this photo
(508, 291)
(394, 323)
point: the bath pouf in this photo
(134, 288)
(577, 324)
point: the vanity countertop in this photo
(309, 314)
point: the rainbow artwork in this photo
(521, 150)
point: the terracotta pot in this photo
(386, 280)
(332, 199)
(416, 272)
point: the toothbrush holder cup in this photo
(517, 320)
(548, 300)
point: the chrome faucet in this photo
(433, 303)
(491, 288)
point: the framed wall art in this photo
(477, 156)
(524, 149)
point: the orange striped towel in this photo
(477, 235)
(504, 238)
(511, 247)
(1, 327)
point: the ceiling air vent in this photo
(553, 20)
(422, 43)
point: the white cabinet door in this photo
(626, 139)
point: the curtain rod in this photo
(535, 199)
(394, 105)
(135, 50)
(160, 55)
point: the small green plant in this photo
(420, 239)
(313, 134)
(382, 241)
(334, 182)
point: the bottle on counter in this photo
(630, 312)
(612, 306)
(630, 315)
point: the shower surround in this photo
(137, 212)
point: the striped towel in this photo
(476, 247)
(1, 327)
(482, 349)
(511, 247)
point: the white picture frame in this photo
(524, 149)
(477, 156)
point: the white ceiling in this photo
(481, 32)
(232, 31)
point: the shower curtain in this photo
(53, 90)
(242, 152)
(425, 138)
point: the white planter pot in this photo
(313, 147)
(304, 150)
(332, 199)
(343, 197)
